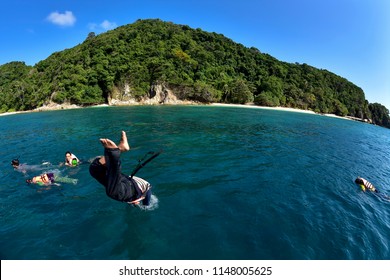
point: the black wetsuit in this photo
(118, 185)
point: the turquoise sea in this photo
(232, 183)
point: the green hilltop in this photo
(193, 64)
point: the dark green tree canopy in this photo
(194, 64)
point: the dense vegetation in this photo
(194, 64)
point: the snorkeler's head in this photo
(359, 180)
(15, 162)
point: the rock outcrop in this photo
(158, 94)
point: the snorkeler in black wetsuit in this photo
(107, 171)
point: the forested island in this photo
(133, 61)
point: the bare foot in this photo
(107, 143)
(123, 144)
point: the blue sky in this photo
(350, 38)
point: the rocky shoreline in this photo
(55, 106)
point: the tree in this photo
(91, 35)
(238, 92)
(267, 98)
(271, 92)
(380, 114)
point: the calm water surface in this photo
(232, 183)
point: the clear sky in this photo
(350, 38)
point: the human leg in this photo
(123, 145)
(98, 169)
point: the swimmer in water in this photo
(365, 184)
(107, 170)
(24, 168)
(43, 179)
(50, 178)
(71, 159)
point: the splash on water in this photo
(153, 205)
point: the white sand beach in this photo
(264, 107)
(10, 113)
(283, 109)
